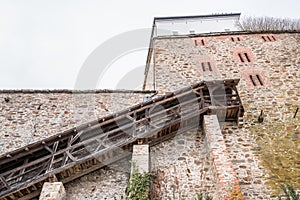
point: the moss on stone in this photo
(278, 147)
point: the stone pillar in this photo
(228, 185)
(139, 166)
(53, 191)
(140, 159)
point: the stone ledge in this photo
(70, 91)
(140, 159)
(228, 185)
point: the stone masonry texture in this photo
(27, 116)
(104, 184)
(223, 167)
(53, 191)
(264, 155)
(140, 159)
(183, 167)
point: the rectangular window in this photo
(200, 42)
(256, 80)
(268, 38)
(247, 57)
(203, 67)
(209, 66)
(235, 39)
(244, 57)
(252, 80)
(241, 58)
(206, 66)
(259, 79)
(273, 38)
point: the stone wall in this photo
(263, 154)
(183, 167)
(27, 116)
(182, 57)
(107, 183)
(273, 87)
(227, 183)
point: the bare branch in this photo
(268, 24)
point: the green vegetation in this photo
(277, 146)
(139, 186)
(289, 193)
(201, 197)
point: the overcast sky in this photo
(44, 43)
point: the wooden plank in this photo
(31, 195)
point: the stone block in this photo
(140, 158)
(53, 191)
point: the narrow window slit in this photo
(232, 39)
(247, 57)
(269, 38)
(209, 66)
(203, 67)
(238, 38)
(273, 38)
(253, 82)
(259, 79)
(196, 43)
(240, 56)
(263, 37)
(202, 42)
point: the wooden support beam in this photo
(181, 109)
(4, 182)
(54, 149)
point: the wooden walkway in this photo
(81, 150)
